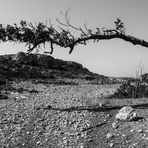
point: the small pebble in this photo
(114, 125)
(39, 142)
(133, 145)
(27, 132)
(111, 145)
(90, 140)
(140, 131)
(109, 136)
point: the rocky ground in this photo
(36, 114)
(63, 109)
(33, 115)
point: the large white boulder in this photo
(127, 113)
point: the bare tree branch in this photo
(68, 24)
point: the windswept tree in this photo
(35, 35)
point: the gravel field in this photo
(32, 116)
(39, 114)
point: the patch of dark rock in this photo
(21, 90)
(57, 82)
(88, 108)
(138, 118)
(3, 81)
(140, 105)
(64, 83)
(3, 96)
(98, 108)
(90, 78)
(95, 126)
(49, 107)
(33, 91)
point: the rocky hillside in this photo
(22, 65)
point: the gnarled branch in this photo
(128, 38)
(35, 35)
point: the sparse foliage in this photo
(119, 26)
(139, 71)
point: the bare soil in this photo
(72, 114)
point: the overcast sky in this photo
(111, 57)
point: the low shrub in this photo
(134, 89)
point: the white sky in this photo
(112, 57)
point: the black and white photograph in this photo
(73, 74)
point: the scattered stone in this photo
(82, 145)
(145, 137)
(101, 104)
(27, 132)
(140, 131)
(14, 93)
(123, 135)
(38, 142)
(111, 145)
(105, 120)
(132, 130)
(90, 140)
(3, 96)
(109, 136)
(133, 145)
(108, 115)
(126, 113)
(115, 125)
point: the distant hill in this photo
(23, 65)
